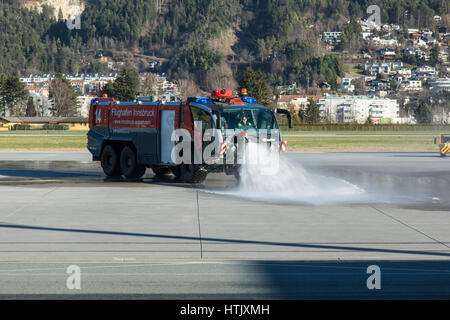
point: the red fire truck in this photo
(128, 137)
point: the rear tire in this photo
(110, 161)
(141, 171)
(128, 164)
(192, 173)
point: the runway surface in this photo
(312, 233)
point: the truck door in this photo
(167, 128)
(203, 119)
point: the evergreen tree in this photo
(351, 37)
(434, 56)
(275, 31)
(312, 112)
(12, 92)
(125, 87)
(257, 86)
(423, 113)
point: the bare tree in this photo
(221, 77)
(30, 109)
(19, 108)
(64, 98)
(188, 88)
(148, 85)
(360, 86)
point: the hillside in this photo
(207, 41)
(65, 6)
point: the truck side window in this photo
(201, 115)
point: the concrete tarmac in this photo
(58, 209)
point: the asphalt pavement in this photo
(312, 237)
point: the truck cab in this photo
(444, 143)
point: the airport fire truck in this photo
(129, 137)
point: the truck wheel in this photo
(176, 171)
(141, 171)
(128, 164)
(161, 171)
(191, 173)
(110, 161)
(237, 176)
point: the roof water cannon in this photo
(102, 99)
(225, 96)
(222, 93)
(235, 101)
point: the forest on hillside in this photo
(281, 37)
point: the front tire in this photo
(191, 173)
(176, 171)
(161, 171)
(128, 164)
(110, 161)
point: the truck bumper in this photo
(94, 145)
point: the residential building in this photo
(296, 102)
(388, 54)
(87, 86)
(84, 104)
(440, 84)
(374, 68)
(411, 85)
(378, 85)
(347, 108)
(405, 72)
(331, 37)
(347, 85)
(425, 72)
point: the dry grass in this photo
(361, 144)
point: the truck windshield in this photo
(245, 118)
(445, 138)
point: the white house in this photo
(440, 84)
(374, 68)
(405, 72)
(331, 37)
(84, 103)
(411, 85)
(347, 85)
(336, 108)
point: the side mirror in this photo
(181, 116)
(288, 114)
(219, 123)
(218, 120)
